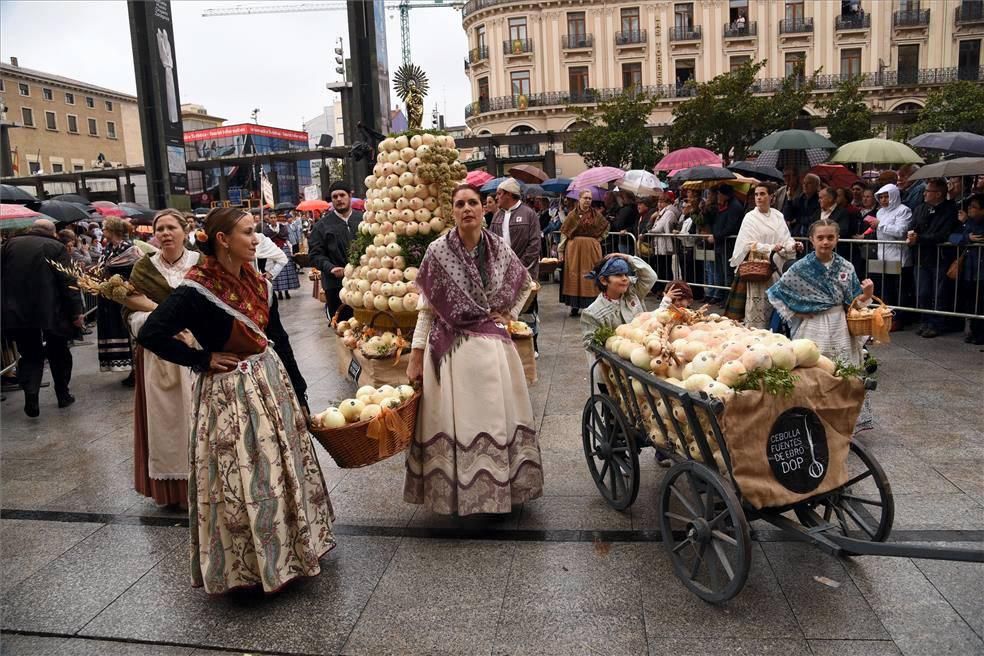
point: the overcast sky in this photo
(231, 64)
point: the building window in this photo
(795, 64)
(2, 88)
(480, 36)
(93, 128)
(576, 25)
(577, 77)
(630, 20)
(683, 15)
(57, 167)
(483, 92)
(517, 29)
(50, 121)
(47, 93)
(520, 81)
(737, 61)
(78, 164)
(631, 75)
(851, 62)
(24, 89)
(33, 168)
(969, 60)
(90, 102)
(794, 11)
(685, 71)
(69, 98)
(908, 5)
(109, 105)
(27, 117)
(111, 129)
(850, 8)
(909, 63)
(737, 8)
(73, 123)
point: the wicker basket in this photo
(350, 446)
(531, 297)
(394, 327)
(755, 270)
(859, 325)
(405, 321)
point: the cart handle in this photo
(895, 549)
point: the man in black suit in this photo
(41, 311)
(329, 243)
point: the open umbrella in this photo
(705, 173)
(799, 159)
(493, 184)
(835, 175)
(597, 193)
(757, 170)
(951, 167)
(534, 191)
(958, 143)
(478, 177)
(114, 210)
(685, 158)
(313, 205)
(640, 183)
(15, 217)
(556, 185)
(599, 175)
(15, 195)
(71, 198)
(528, 173)
(284, 207)
(793, 140)
(879, 151)
(64, 212)
(359, 204)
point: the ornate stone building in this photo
(530, 61)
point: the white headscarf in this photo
(759, 232)
(893, 224)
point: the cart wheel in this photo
(864, 507)
(610, 451)
(705, 532)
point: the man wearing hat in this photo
(519, 226)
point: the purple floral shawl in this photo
(450, 280)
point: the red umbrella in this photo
(686, 158)
(477, 178)
(15, 217)
(835, 175)
(109, 210)
(314, 205)
(358, 204)
(599, 175)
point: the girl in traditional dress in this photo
(163, 389)
(278, 231)
(258, 505)
(475, 449)
(620, 297)
(118, 257)
(813, 297)
(579, 250)
(763, 232)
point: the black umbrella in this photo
(705, 173)
(757, 171)
(71, 198)
(958, 143)
(284, 207)
(15, 195)
(63, 212)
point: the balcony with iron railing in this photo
(524, 150)
(969, 13)
(869, 82)
(576, 41)
(911, 18)
(737, 30)
(517, 46)
(796, 25)
(630, 37)
(475, 55)
(858, 21)
(685, 33)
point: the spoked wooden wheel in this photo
(610, 451)
(705, 532)
(863, 508)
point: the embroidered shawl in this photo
(245, 298)
(586, 224)
(809, 287)
(462, 301)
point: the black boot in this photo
(129, 381)
(65, 400)
(286, 294)
(575, 312)
(32, 407)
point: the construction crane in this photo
(403, 6)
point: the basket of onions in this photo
(377, 424)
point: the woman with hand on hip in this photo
(475, 449)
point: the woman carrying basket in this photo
(813, 296)
(475, 449)
(259, 508)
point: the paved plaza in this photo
(91, 567)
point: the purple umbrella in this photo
(597, 193)
(596, 177)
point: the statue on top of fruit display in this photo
(411, 86)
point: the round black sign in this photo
(797, 450)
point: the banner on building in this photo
(267, 189)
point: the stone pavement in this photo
(91, 567)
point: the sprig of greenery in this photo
(777, 381)
(601, 335)
(415, 247)
(357, 247)
(845, 370)
(413, 133)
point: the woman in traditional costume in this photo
(579, 250)
(763, 232)
(475, 449)
(278, 231)
(163, 389)
(258, 505)
(813, 297)
(113, 342)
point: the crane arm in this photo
(287, 8)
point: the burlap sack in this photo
(524, 346)
(343, 356)
(785, 449)
(381, 372)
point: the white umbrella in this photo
(640, 183)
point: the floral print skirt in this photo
(259, 509)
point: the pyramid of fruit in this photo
(408, 205)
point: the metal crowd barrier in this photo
(614, 242)
(892, 265)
